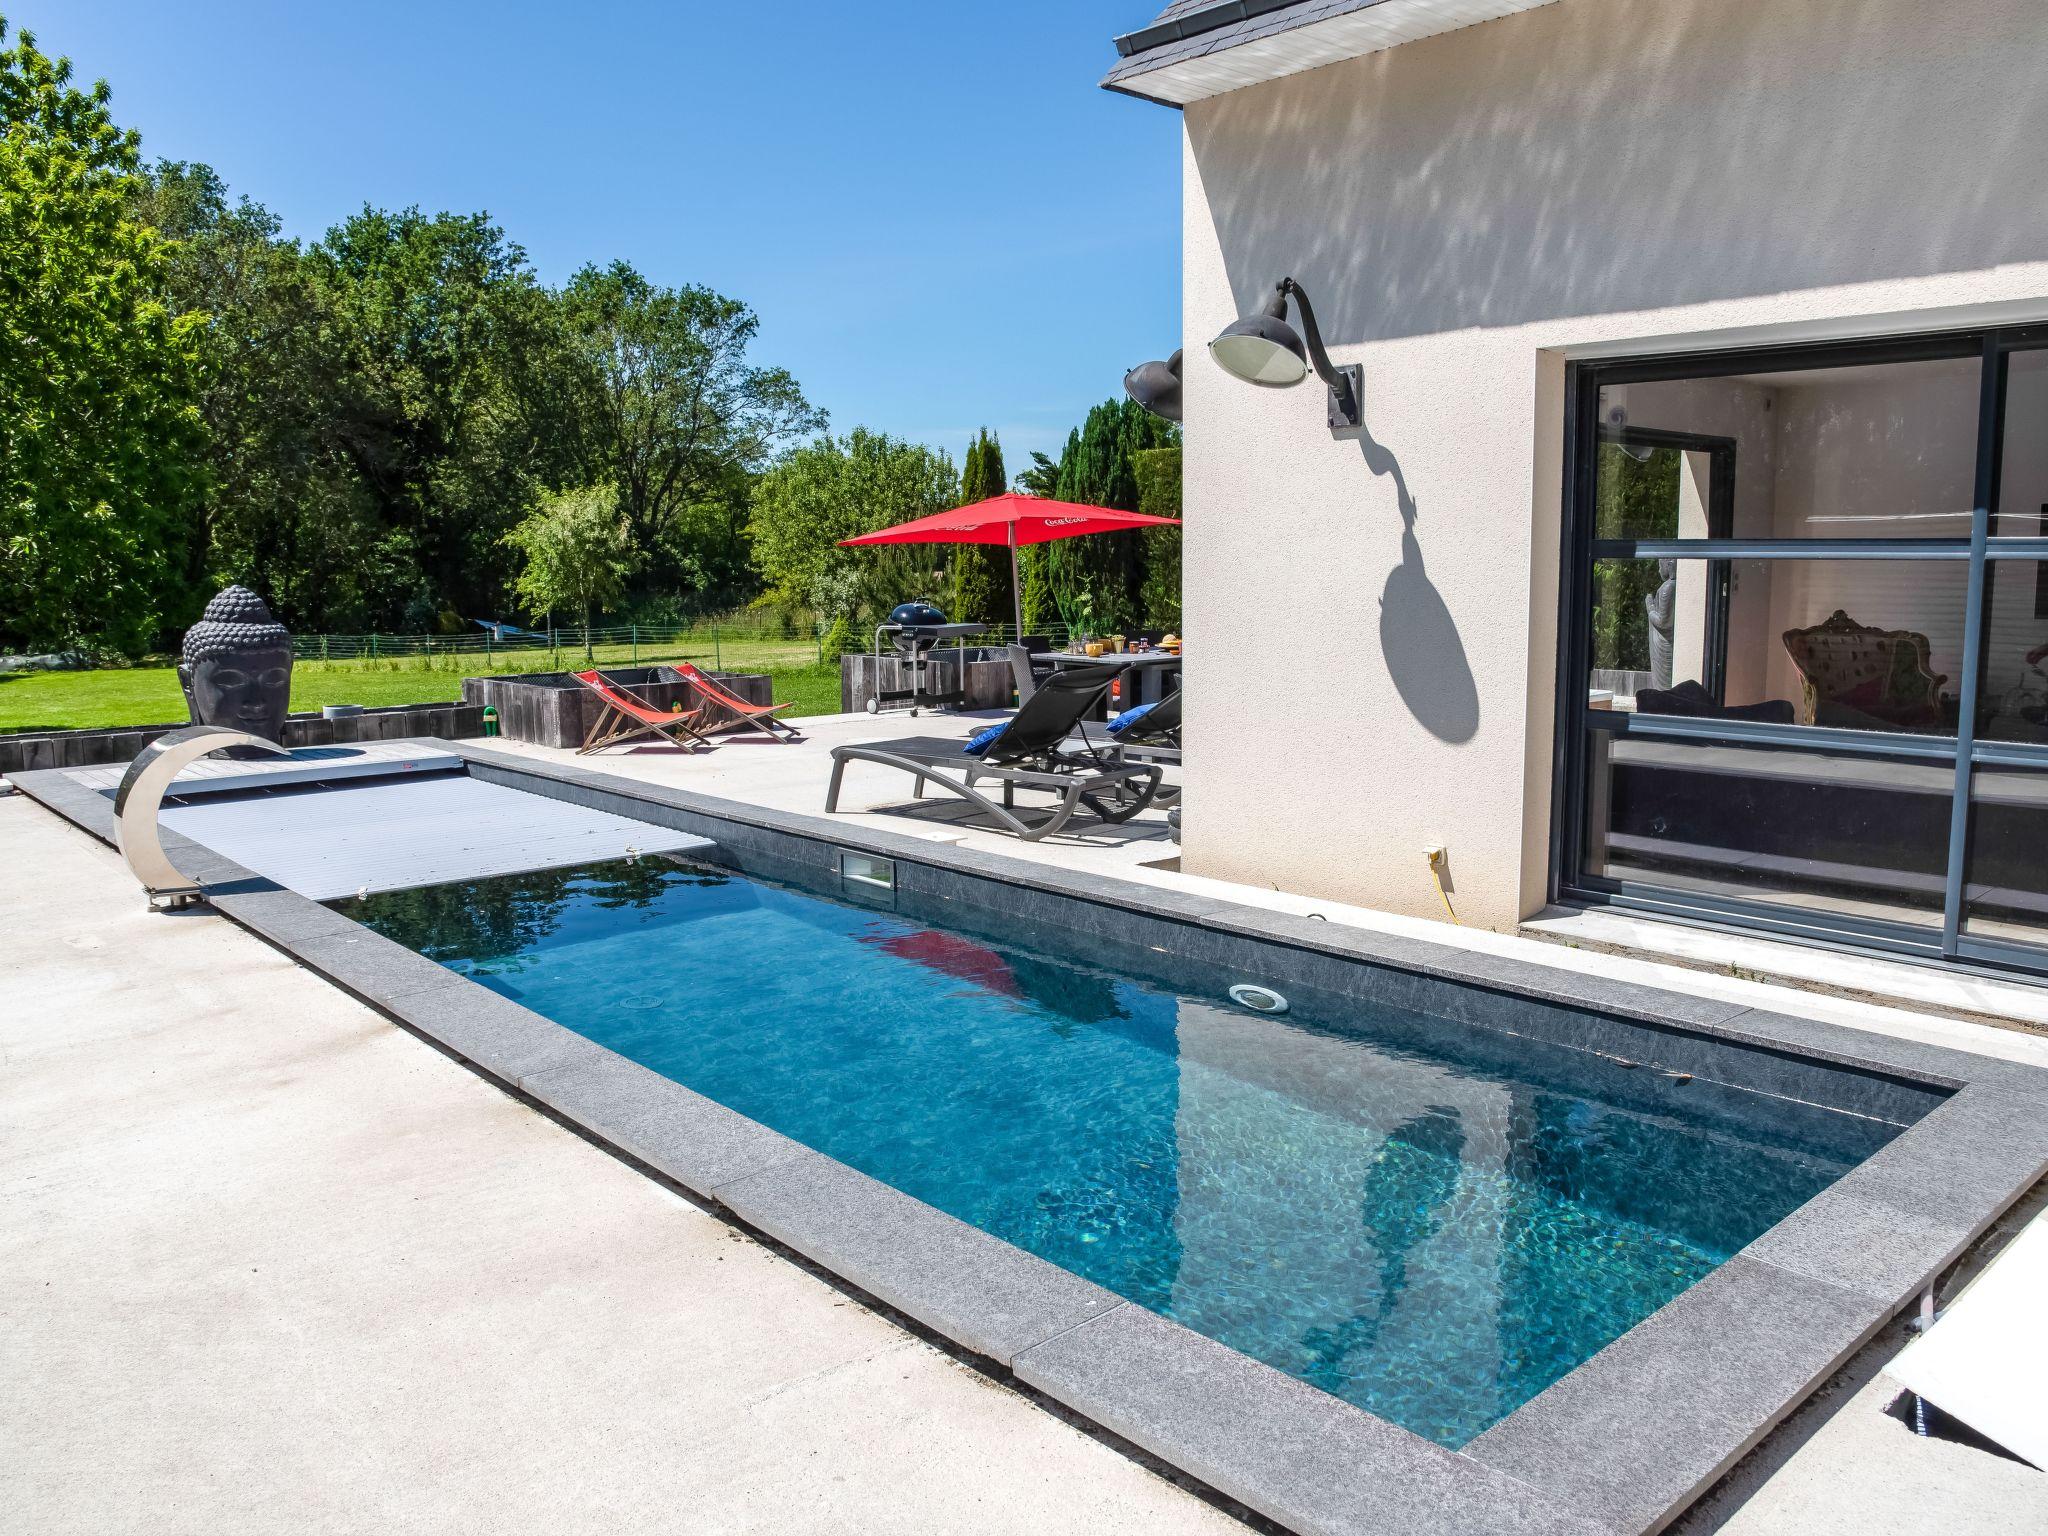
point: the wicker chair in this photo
(1856, 674)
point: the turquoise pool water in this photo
(1431, 1221)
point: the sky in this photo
(941, 220)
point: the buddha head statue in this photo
(237, 667)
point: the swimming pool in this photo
(1430, 1220)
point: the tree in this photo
(981, 572)
(444, 352)
(1103, 575)
(1041, 478)
(578, 554)
(833, 489)
(1633, 498)
(1159, 478)
(673, 413)
(100, 472)
(285, 509)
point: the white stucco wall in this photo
(1372, 625)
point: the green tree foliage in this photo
(981, 572)
(1040, 478)
(1633, 499)
(578, 554)
(286, 510)
(1159, 478)
(100, 471)
(836, 488)
(1099, 582)
(674, 414)
(382, 406)
(442, 340)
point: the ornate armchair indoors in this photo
(1860, 677)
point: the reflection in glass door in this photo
(1805, 661)
(2005, 890)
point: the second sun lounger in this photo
(1032, 751)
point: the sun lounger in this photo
(1154, 737)
(1981, 1362)
(1032, 750)
(625, 718)
(726, 711)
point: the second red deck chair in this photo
(727, 711)
(625, 718)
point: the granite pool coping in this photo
(1619, 1445)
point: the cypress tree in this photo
(1100, 467)
(981, 572)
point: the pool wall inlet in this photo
(1621, 1444)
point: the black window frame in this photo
(1579, 549)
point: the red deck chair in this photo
(738, 713)
(625, 718)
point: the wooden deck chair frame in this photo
(625, 718)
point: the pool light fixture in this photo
(1156, 386)
(1264, 349)
(1249, 994)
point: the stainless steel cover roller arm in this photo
(141, 797)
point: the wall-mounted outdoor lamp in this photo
(1156, 386)
(1264, 349)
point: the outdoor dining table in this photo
(1154, 674)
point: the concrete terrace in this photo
(275, 1263)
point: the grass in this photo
(149, 695)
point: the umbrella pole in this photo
(1016, 586)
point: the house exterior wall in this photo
(1373, 623)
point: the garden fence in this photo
(747, 641)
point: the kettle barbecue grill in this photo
(914, 629)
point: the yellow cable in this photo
(1436, 876)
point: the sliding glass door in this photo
(1804, 653)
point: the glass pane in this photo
(1821, 831)
(1868, 645)
(2022, 510)
(2013, 695)
(2006, 892)
(1885, 450)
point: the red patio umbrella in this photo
(1013, 520)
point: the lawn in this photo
(149, 695)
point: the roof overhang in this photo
(1193, 52)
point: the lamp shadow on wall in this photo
(1418, 637)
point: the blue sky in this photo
(940, 219)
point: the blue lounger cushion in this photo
(981, 741)
(1129, 718)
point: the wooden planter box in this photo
(552, 709)
(89, 749)
(989, 683)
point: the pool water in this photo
(1431, 1221)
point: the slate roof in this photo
(1187, 29)
(1179, 46)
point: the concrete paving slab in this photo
(1645, 1425)
(373, 967)
(507, 1040)
(1277, 1444)
(699, 1144)
(995, 1299)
